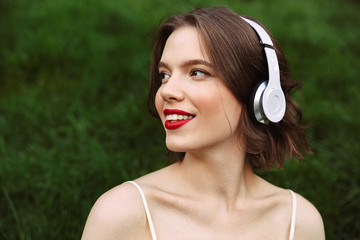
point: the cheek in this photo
(159, 103)
(221, 104)
(204, 97)
(209, 100)
(232, 108)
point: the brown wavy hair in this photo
(239, 59)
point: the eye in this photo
(164, 76)
(199, 73)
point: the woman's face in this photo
(197, 110)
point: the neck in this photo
(222, 175)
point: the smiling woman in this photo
(205, 66)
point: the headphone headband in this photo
(264, 37)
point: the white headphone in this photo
(268, 99)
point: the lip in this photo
(174, 125)
(176, 111)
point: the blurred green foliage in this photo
(73, 117)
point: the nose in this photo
(172, 90)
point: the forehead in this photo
(183, 44)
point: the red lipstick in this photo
(174, 124)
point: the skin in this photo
(213, 193)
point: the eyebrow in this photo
(189, 63)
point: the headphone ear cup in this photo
(255, 104)
(273, 104)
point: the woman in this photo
(205, 66)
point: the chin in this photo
(177, 146)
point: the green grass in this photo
(73, 117)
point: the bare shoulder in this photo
(117, 213)
(309, 224)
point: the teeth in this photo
(176, 117)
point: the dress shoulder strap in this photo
(147, 211)
(293, 215)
